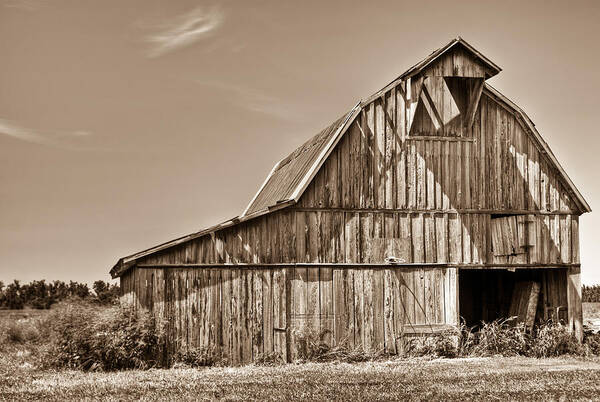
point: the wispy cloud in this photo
(59, 139)
(26, 5)
(253, 99)
(185, 30)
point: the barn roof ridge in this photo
(305, 161)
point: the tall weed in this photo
(84, 336)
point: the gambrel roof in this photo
(290, 177)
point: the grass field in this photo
(565, 378)
(459, 379)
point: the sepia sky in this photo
(124, 124)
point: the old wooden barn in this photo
(431, 200)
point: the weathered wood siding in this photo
(495, 165)
(244, 313)
(380, 182)
(348, 236)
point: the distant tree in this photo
(13, 296)
(590, 294)
(80, 290)
(36, 295)
(105, 292)
(41, 295)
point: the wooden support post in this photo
(575, 312)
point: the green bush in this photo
(83, 336)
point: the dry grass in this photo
(412, 379)
(504, 378)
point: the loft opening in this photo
(446, 106)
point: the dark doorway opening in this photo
(486, 294)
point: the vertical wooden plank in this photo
(417, 236)
(216, 308)
(398, 305)
(226, 327)
(481, 173)
(430, 296)
(408, 296)
(404, 233)
(455, 238)
(430, 171)
(451, 296)
(352, 237)
(314, 241)
(419, 295)
(575, 239)
(466, 237)
(359, 300)
(440, 296)
(368, 155)
(267, 311)
(368, 308)
(447, 203)
(302, 253)
(366, 235)
(313, 300)
(441, 235)
(389, 286)
(458, 177)
(379, 155)
(575, 312)
(345, 169)
(400, 156)
(357, 168)
(236, 315)
(565, 238)
(554, 254)
(421, 176)
(430, 238)
(339, 307)
(437, 175)
(257, 316)
(299, 304)
(532, 179)
(333, 191)
(326, 304)
(378, 310)
(411, 180)
(390, 149)
(246, 307)
(279, 313)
